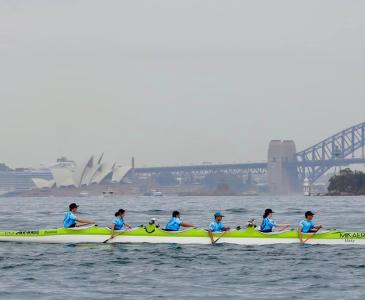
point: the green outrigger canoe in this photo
(153, 234)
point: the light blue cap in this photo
(218, 214)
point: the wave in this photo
(153, 212)
(237, 210)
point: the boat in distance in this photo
(154, 234)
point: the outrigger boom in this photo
(152, 234)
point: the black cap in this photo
(268, 211)
(73, 205)
(308, 213)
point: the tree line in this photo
(348, 181)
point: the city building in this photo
(21, 179)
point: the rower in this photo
(268, 223)
(70, 218)
(217, 225)
(175, 222)
(118, 223)
(307, 225)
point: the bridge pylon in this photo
(281, 169)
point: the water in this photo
(142, 271)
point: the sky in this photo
(176, 82)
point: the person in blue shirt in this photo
(175, 222)
(307, 226)
(268, 224)
(216, 226)
(71, 220)
(118, 222)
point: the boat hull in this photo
(155, 235)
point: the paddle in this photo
(220, 236)
(116, 235)
(108, 239)
(112, 238)
(311, 236)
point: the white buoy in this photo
(306, 187)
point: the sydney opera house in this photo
(94, 171)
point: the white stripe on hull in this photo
(56, 239)
(77, 239)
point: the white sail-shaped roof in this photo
(100, 159)
(92, 171)
(119, 173)
(82, 171)
(102, 172)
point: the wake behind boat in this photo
(153, 234)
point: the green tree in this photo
(348, 181)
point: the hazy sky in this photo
(176, 82)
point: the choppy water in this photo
(142, 271)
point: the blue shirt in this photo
(267, 224)
(69, 219)
(118, 223)
(174, 224)
(306, 225)
(216, 226)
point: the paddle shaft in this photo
(308, 238)
(108, 240)
(116, 235)
(219, 237)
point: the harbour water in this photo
(143, 271)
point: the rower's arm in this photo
(186, 225)
(300, 234)
(84, 221)
(113, 229)
(226, 228)
(127, 225)
(283, 226)
(211, 236)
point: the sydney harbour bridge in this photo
(286, 168)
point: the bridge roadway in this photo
(255, 168)
(258, 168)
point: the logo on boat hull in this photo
(27, 232)
(351, 236)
